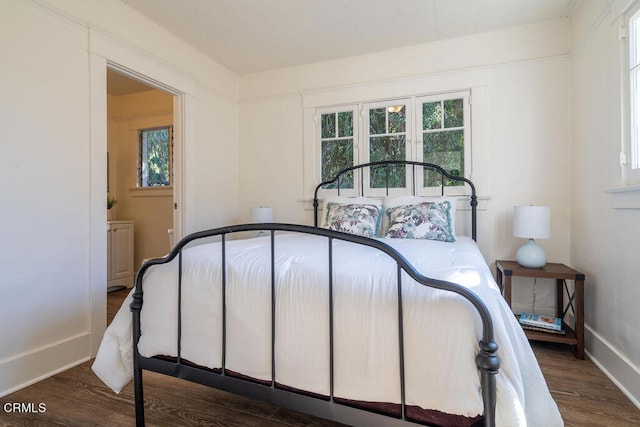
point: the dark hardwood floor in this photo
(76, 397)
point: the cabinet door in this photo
(121, 251)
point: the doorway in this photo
(140, 175)
(107, 56)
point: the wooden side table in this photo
(505, 270)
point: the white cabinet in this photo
(120, 269)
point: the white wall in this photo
(53, 167)
(605, 225)
(524, 147)
(45, 169)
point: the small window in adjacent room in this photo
(155, 157)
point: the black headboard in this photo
(388, 166)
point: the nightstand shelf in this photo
(505, 270)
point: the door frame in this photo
(106, 52)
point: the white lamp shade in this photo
(261, 215)
(531, 222)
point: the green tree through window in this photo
(336, 133)
(443, 139)
(155, 157)
(429, 128)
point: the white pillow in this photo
(392, 202)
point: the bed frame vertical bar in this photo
(401, 344)
(488, 364)
(136, 306)
(330, 240)
(179, 308)
(223, 244)
(273, 310)
(386, 177)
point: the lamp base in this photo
(531, 255)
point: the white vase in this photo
(109, 216)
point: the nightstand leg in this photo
(559, 297)
(579, 318)
(506, 284)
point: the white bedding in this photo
(440, 341)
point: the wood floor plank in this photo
(76, 397)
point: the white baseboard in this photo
(28, 368)
(615, 365)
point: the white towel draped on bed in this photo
(441, 340)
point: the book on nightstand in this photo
(543, 322)
(544, 330)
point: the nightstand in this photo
(505, 270)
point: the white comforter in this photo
(440, 339)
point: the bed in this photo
(379, 314)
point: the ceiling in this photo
(249, 36)
(119, 84)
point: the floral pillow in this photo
(426, 220)
(353, 218)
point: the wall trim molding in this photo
(310, 95)
(134, 117)
(604, 12)
(25, 369)
(625, 197)
(615, 365)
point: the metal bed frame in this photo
(486, 359)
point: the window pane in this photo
(447, 150)
(453, 113)
(345, 123)
(377, 121)
(395, 174)
(337, 155)
(387, 148)
(154, 157)
(431, 115)
(634, 37)
(328, 125)
(397, 119)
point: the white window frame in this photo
(142, 163)
(354, 109)
(414, 141)
(630, 48)
(466, 101)
(365, 139)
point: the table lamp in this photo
(531, 222)
(261, 215)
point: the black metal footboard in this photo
(486, 360)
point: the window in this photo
(387, 137)
(337, 129)
(155, 157)
(442, 135)
(630, 156)
(432, 129)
